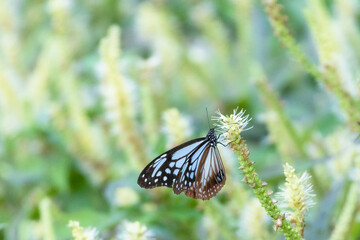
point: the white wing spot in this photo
(158, 174)
(172, 164)
(156, 180)
(145, 179)
(179, 163)
(176, 171)
(167, 170)
(158, 166)
(165, 178)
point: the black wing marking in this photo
(164, 169)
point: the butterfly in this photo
(194, 167)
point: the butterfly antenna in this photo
(207, 114)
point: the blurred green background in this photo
(91, 91)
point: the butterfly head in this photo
(211, 135)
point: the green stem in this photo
(278, 22)
(329, 77)
(46, 220)
(349, 105)
(347, 214)
(258, 186)
(273, 101)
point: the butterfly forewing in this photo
(194, 167)
(164, 169)
(186, 178)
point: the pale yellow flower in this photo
(297, 196)
(80, 233)
(125, 196)
(176, 126)
(134, 231)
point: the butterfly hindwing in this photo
(210, 177)
(164, 169)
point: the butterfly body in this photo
(194, 167)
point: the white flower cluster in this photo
(134, 231)
(80, 233)
(233, 124)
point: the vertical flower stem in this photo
(46, 220)
(148, 103)
(258, 186)
(118, 93)
(232, 126)
(349, 105)
(328, 77)
(278, 21)
(347, 214)
(273, 101)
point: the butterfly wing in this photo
(194, 167)
(186, 178)
(205, 176)
(164, 169)
(212, 177)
